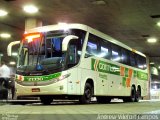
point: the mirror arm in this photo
(66, 41)
(9, 48)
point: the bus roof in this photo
(64, 26)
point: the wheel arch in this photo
(91, 82)
(139, 87)
(133, 85)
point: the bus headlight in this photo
(61, 77)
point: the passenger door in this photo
(72, 61)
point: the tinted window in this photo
(116, 53)
(141, 62)
(144, 63)
(105, 49)
(92, 45)
(132, 59)
(125, 56)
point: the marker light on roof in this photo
(31, 36)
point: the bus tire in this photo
(103, 99)
(138, 94)
(46, 100)
(132, 96)
(86, 97)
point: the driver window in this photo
(74, 49)
(72, 53)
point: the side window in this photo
(132, 59)
(92, 45)
(125, 56)
(141, 62)
(144, 63)
(105, 50)
(116, 55)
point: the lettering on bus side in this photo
(35, 79)
(101, 66)
(103, 76)
(104, 67)
(107, 67)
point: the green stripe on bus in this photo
(126, 72)
(142, 75)
(41, 78)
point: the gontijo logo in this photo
(101, 66)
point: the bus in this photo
(155, 90)
(75, 61)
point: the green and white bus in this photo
(75, 61)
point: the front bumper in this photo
(57, 88)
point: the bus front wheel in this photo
(46, 100)
(86, 97)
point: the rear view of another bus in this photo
(155, 90)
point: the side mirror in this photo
(9, 48)
(66, 41)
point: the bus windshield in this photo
(43, 51)
(155, 86)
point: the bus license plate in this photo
(35, 89)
